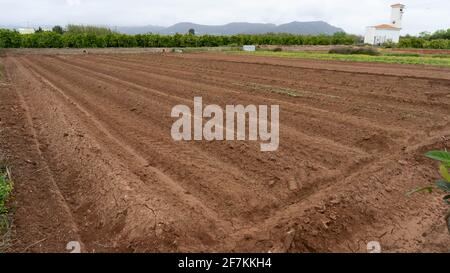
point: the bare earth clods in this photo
(89, 140)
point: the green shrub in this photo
(9, 39)
(411, 42)
(45, 39)
(355, 50)
(389, 44)
(6, 187)
(58, 29)
(81, 29)
(440, 34)
(437, 44)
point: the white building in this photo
(249, 48)
(26, 30)
(380, 34)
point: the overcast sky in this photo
(351, 15)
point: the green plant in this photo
(437, 44)
(440, 34)
(9, 38)
(355, 50)
(437, 40)
(58, 29)
(82, 29)
(6, 187)
(389, 44)
(443, 184)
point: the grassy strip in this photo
(6, 187)
(405, 54)
(395, 54)
(416, 60)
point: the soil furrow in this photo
(352, 141)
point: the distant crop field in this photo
(443, 61)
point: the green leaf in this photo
(444, 172)
(442, 156)
(428, 189)
(443, 185)
(447, 199)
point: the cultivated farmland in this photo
(89, 145)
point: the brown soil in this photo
(88, 138)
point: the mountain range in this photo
(303, 28)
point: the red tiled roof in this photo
(386, 26)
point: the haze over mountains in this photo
(301, 28)
(304, 28)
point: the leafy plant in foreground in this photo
(6, 187)
(443, 184)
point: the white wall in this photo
(385, 35)
(379, 36)
(397, 16)
(370, 33)
(249, 48)
(26, 30)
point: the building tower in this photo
(397, 14)
(386, 33)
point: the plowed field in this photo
(88, 139)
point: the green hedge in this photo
(12, 39)
(355, 51)
(437, 40)
(415, 42)
(9, 39)
(74, 39)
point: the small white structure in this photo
(249, 48)
(380, 34)
(26, 30)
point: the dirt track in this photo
(89, 140)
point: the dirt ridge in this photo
(102, 126)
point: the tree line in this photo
(75, 36)
(83, 37)
(437, 40)
(417, 42)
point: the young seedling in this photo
(443, 184)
